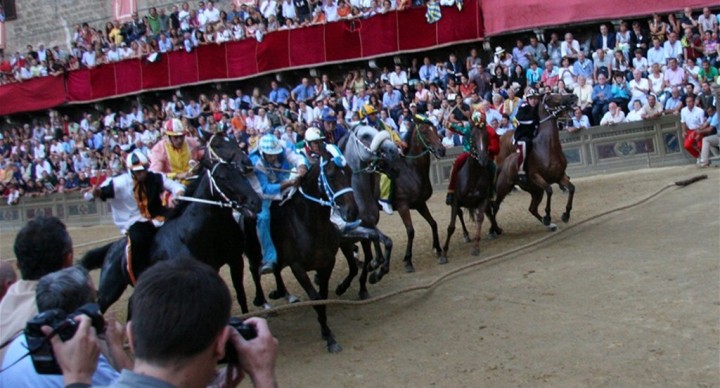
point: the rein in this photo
(323, 184)
(225, 202)
(553, 112)
(372, 162)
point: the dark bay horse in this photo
(546, 161)
(204, 228)
(413, 187)
(305, 238)
(367, 151)
(473, 191)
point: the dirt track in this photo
(626, 300)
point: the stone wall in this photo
(51, 22)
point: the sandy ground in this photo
(630, 299)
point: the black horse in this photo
(473, 192)
(413, 187)
(204, 228)
(305, 238)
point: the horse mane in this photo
(189, 192)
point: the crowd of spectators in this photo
(183, 27)
(631, 74)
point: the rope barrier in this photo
(440, 279)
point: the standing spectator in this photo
(604, 41)
(43, 246)
(711, 138)
(302, 8)
(692, 118)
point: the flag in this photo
(123, 9)
(433, 13)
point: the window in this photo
(9, 9)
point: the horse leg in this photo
(425, 213)
(385, 267)
(565, 181)
(254, 257)
(450, 230)
(305, 282)
(349, 253)
(479, 217)
(466, 234)
(236, 273)
(113, 282)
(407, 220)
(280, 289)
(495, 230)
(367, 252)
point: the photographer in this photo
(179, 332)
(41, 247)
(68, 290)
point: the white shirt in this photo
(268, 7)
(125, 210)
(609, 118)
(184, 17)
(643, 84)
(672, 50)
(88, 58)
(288, 10)
(634, 115)
(212, 15)
(565, 50)
(693, 119)
(113, 55)
(398, 80)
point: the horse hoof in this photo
(552, 227)
(565, 217)
(492, 236)
(334, 348)
(259, 302)
(374, 264)
(275, 294)
(409, 268)
(340, 290)
(364, 295)
(466, 238)
(546, 221)
(266, 306)
(475, 251)
(442, 260)
(293, 299)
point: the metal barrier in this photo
(597, 150)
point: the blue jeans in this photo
(263, 230)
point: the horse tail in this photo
(95, 258)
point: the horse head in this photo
(555, 105)
(425, 137)
(479, 144)
(328, 183)
(379, 145)
(226, 168)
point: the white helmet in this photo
(174, 127)
(313, 134)
(136, 161)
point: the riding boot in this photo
(450, 198)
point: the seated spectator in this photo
(620, 92)
(505, 125)
(601, 98)
(614, 115)
(451, 140)
(579, 121)
(601, 65)
(674, 103)
(567, 74)
(569, 48)
(639, 88)
(635, 113)
(605, 40)
(7, 277)
(708, 73)
(41, 247)
(533, 75)
(672, 47)
(652, 109)
(640, 63)
(68, 290)
(674, 76)
(711, 137)
(182, 349)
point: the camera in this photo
(63, 325)
(246, 331)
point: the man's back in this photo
(16, 308)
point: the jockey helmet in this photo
(531, 92)
(269, 145)
(313, 134)
(136, 161)
(367, 110)
(174, 127)
(419, 118)
(478, 118)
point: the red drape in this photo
(30, 95)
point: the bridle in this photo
(474, 146)
(426, 148)
(553, 112)
(324, 186)
(373, 158)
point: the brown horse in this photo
(473, 192)
(413, 187)
(546, 161)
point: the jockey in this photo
(272, 165)
(173, 154)
(333, 131)
(368, 115)
(528, 122)
(493, 149)
(137, 209)
(311, 148)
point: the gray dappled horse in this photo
(367, 151)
